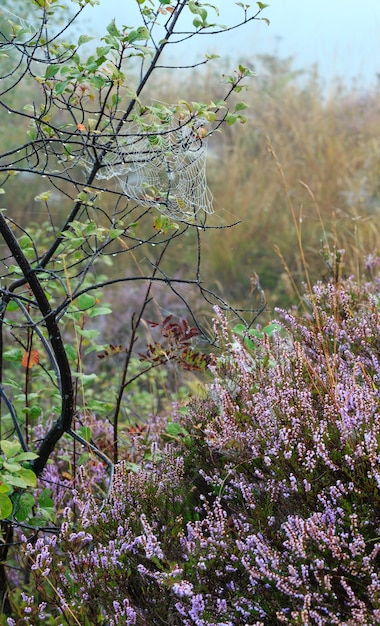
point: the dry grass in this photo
(325, 171)
(326, 145)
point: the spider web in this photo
(27, 28)
(163, 168)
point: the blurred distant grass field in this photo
(327, 145)
(305, 165)
(307, 160)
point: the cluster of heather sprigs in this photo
(260, 505)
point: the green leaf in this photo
(85, 301)
(241, 106)
(16, 481)
(112, 29)
(81, 196)
(24, 242)
(115, 233)
(4, 488)
(132, 36)
(26, 456)
(143, 32)
(91, 228)
(85, 379)
(43, 197)
(75, 241)
(85, 433)
(59, 88)
(261, 5)
(256, 333)
(71, 352)
(11, 466)
(47, 513)
(174, 429)
(249, 343)
(115, 99)
(231, 119)
(100, 310)
(102, 51)
(246, 71)
(84, 39)
(36, 522)
(98, 82)
(14, 269)
(140, 34)
(45, 499)
(52, 70)
(272, 328)
(99, 406)
(197, 22)
(28, 476)
(242, 331)
(87, 333)
(10, 448)
(24, 506)
(32, 133)
(35, 412)
(13, 384)
(6, 506)
(197, 9)
(14, 354)
(239, 329)
(162, 223)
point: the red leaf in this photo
(30, 358)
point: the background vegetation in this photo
(325, 140)
(198, 416)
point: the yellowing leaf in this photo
(43, 197)
(6, 506)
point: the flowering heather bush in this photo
(259, 504)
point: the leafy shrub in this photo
(14, 478)
(259, 502)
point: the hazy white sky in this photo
(342, 36)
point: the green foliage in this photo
(251, 333)
(15, 478)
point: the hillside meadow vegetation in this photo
(306, 164)
(190, 400)
(306, 167)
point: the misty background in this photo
(341, 37)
